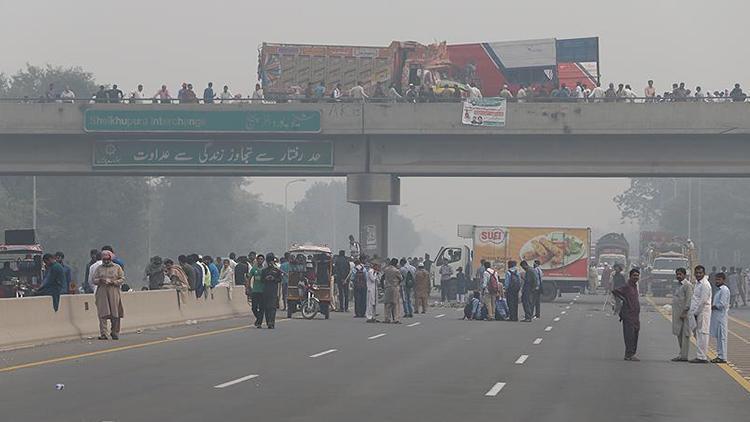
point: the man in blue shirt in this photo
(212, 269)
(208, 94)
(54, 279)
(67, 271)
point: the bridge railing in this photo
(352, 100)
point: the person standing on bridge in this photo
(680, 307)
(407, 272)
(538, 291)
(630, 313)
(530, 284)
(446, 272)
(512, 285)
(354, 248)
(392, 284)
(719, 318)
(54, 280)
(490, 288)
(421, 288)
(257, 289)
(341, 272)
(372, 277)
(271, 277)
(700, 314)
(108, 279)
(359, 277)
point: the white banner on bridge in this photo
(484, 112)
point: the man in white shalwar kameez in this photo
(719, 316)
(700, 314)
(373, 278)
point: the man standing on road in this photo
(618, 280)
(407, 272)
(108, 279)
(538, 291)
(271, 278)
(392, 283)
(361, 284)
(54, 280)
(421, 288)
(700, 314)
(256, 287)
(67, 271)
(372, 278)
(446, 272)
(490, 287)
(530, 285)
(341, 272)
(512, 285)
(719, 318)
(680, 307)
(630, 313)
(354, 248)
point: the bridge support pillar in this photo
(373, 193)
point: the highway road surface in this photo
(433, 367)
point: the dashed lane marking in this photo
(237, 381)
(521, 359)
(323, 353)
(495, 389)
(556, 319)
(414, 324)
(538, 341)
(376, 336)
(548, 328)
(563, 312)
(439, 316)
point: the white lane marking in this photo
(495, 389)
(521, 359)
(556, 319)
(563, 313)
(439, 316)
(237, 381)
(537, 341)
(376, 336)
(548, 328)
(317, 355)
(414, 324)
(571, 303)
(567, 307)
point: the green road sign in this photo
(118, 120)
(180, 153)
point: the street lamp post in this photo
(286, 212)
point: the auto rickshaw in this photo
(20, 269)
(310, 265)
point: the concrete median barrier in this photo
(31, 320)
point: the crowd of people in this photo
(379, 92)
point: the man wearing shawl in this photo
(108, 278)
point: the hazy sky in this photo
(170, 41)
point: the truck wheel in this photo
(549, 291)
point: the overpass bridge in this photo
(374, 144)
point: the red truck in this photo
(285, 69)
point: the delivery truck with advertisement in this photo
(563, 252)
(286, 69)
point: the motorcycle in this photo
(310, 305)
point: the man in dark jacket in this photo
(630, 313)
(530, 284)
(54, 280)
(341, 271)
(271, 276)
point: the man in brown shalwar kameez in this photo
(108, 278)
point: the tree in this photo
(33, 81)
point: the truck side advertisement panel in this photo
(563, 252)
(490, 243)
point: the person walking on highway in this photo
(530, 285)
(512, 285)
(256, 288)
(630, 313)
(392, 285)
(700, 314)
(490, 288)
(54, 280)
(371, 277)
(341, 271)
(407, 272)
(538, 291)
(271, 278)
(446, 272)
(680, 307)
(719, 318)
(421, 288)
(108, 279)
